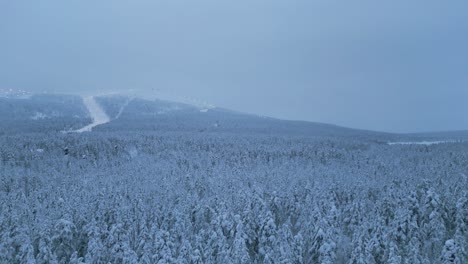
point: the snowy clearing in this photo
(426, 143)
(122, 108)
(39, 116)
(98, 115)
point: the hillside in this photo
(49, 113)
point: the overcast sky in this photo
(399, 66)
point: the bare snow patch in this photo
(169, 109)
(205, 108)
(39, 116)
(42, 116)
(133, 152)
(15, 93)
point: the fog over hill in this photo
(68, 112)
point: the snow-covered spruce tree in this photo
(7, 246)
(298, 249)
(96, 252)
(267, 238)
(16, 243)
(450, 253)
(413, 254)
(63, 240)
(163, 246)
(375, 244)
(143, 249)
(239, 252)
(323, 248)
(433, 225)
(327, 252)
(196, 257)
(358, 255)
(284, 248)
(25, 249)
(403, 229)
(461, 230)
(393, 254)
(184, 255)
(216, 247)
(118, 243)
(74, 259)
(45, 255)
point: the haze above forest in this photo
(396, 67)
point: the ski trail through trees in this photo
(98, 115)
(122, 108)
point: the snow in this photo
(39, 116)
(426, 143)
(169, 109)
(42, 116)
(98, 115)
(224, 198)
(122, 108)
(182, 197)
(15, 93)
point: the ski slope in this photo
(96, 112)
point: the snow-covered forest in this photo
(117, 197)
(233, 132)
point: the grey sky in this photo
(383, 65)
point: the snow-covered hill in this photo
(42, 113)
(158, 115)
(51, 113)
(54, 113)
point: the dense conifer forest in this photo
(121, 197)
